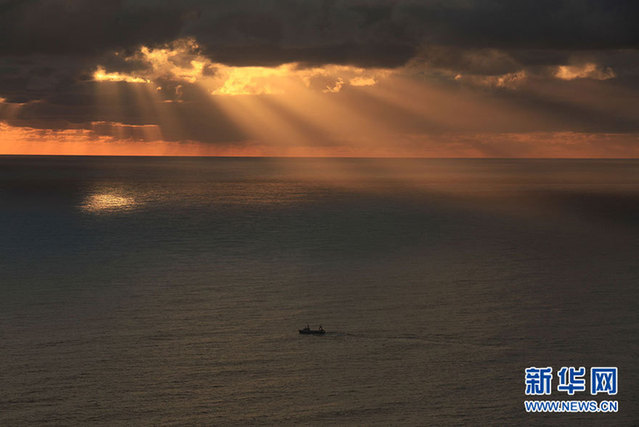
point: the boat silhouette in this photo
(308, 331)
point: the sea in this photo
(170, 291)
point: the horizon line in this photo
(315, 157)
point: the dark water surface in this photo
(167, 290)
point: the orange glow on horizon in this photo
(82, 142)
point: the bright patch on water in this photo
(107, 203)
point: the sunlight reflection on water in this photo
(107, 203)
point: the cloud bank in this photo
(564, 66)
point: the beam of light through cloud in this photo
(276, 80)
(182, 61)
(177, 92)
(101, 75)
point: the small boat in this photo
(309, 331)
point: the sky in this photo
(381, 78)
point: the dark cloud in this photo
(539, 24)
(74, 27)
(367, 32)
